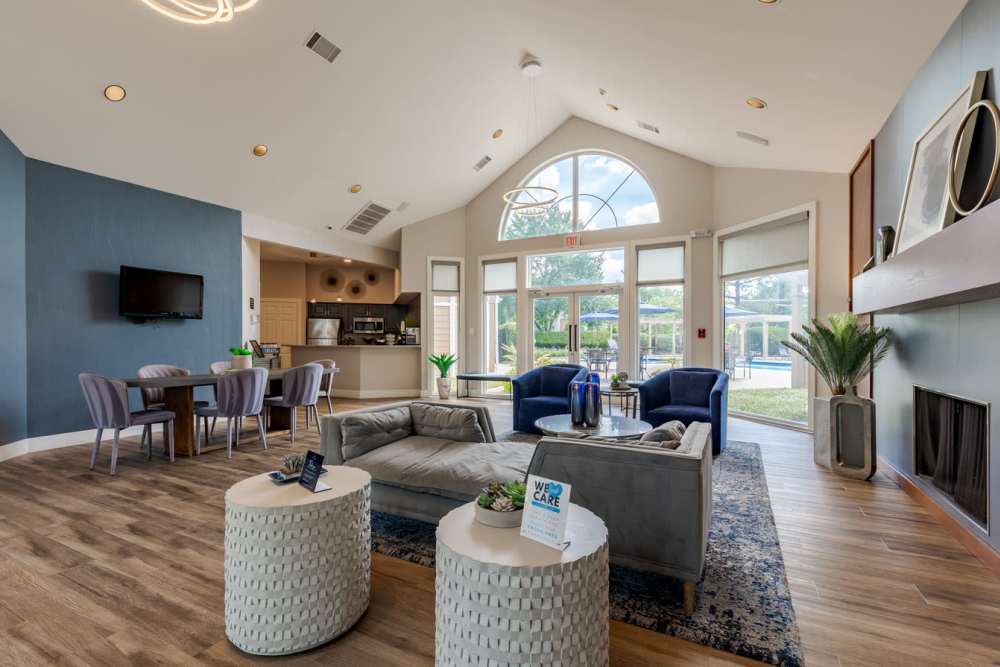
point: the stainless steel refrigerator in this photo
(325, 331)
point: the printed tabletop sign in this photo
(546, 508)
(311, 471)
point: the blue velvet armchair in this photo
(688, 395)
(542, 392)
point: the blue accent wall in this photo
(13, 323)
(80, 228)
(952, 349)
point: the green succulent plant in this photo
(844, 352)
(503, 496)
(293, 463)
(444, 362)
(240, 352)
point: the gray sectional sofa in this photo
(426, 459)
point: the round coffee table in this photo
(505, 600)
(298, 564)
(615, 427)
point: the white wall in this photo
(251, 289)
(319, 240)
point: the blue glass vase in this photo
(577, 400)
(592, 405)
(595, 378)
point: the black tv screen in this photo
(159, 294)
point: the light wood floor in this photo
(128, 571)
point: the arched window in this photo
(595, 191)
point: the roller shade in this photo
(781, 243)
(444, 277)
(500, 276)
(660, 264)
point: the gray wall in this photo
(952, 349)
(80, 229)
(13, 326)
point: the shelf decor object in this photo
(927, 208)
(297, 564)
(953, 187)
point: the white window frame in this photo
(686, 329)
(484, 338)
(574, 155)
(427, 314)
(719, 300)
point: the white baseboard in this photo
(46, 442)
(13, 449)
(374, 393)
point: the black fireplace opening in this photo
(951, 449)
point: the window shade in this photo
(500, 276)
(780, 244)
(444, 277)
(660, 264)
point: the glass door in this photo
(577, 328)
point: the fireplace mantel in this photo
(957, 265)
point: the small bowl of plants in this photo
(242, 358)
(501, 504)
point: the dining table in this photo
(178, 393)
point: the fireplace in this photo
(951, 443)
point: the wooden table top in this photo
(203, 380)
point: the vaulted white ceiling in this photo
(409, 105)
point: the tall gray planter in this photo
(845, 435)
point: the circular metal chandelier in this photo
(200, 12)
(531, 209)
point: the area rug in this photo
(743, 602)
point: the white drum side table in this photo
(504, 600)
(298, 564)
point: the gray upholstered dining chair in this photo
(239, 394)
(153, 398)
(216, 368)
(300, 387)
(107, 400)
(326, 387)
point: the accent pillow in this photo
(668, 435)
(439, 421)
(364, 432)
(691, 387)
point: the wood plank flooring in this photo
(96, 570)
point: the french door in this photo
(577, 327)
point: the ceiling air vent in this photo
(367, 218)
(324, 47)
(648, 126)
(752, 138)
(485, 160)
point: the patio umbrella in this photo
(650, 309)
(599, 317)
(732, 311)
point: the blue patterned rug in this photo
(744, 605)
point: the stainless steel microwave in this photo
(369, 325)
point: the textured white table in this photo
(504, 600)
(298, 564)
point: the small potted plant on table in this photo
(242, 358)
(501, 504)
(444, 362)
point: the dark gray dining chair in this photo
(326, 386)
(216, 368)
(107, 400)
(153, 398)
(239, 394)
(299, 387)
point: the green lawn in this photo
(790, 404)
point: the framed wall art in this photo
(926, 208)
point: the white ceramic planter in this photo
(845, 435)
(242, 362)
(498, 519)
(444, 387)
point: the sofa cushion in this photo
(451, 423)
(555, 380)
(457, 470)
(366, 431)
(682, 413)
(666, 435)
(691, 387)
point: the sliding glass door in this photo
(577, 328)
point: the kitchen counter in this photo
(368, 371)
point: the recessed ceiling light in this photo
(356, 188)
(613, 107)
(756, 103)
(498, 133)
(348, 260)
(260, 150)
(114, 93)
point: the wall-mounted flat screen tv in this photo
(148, 293)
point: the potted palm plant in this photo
(843, 353)
(444, 362)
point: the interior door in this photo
(282, 322)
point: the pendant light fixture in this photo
(200, 12)
(531, 201)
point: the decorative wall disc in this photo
(991, 183)
(331, 281)
(356, 289)
(371, 277)
(200, 12)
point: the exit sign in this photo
(571, 241)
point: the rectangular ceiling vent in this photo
(367, 218)
(648, 126)
(485, 160)
(317, 43)
(752, 138)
